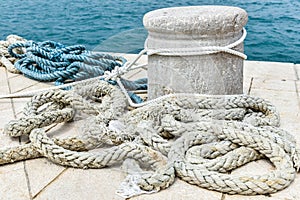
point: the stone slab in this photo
(18, 105)
(103, 183)
(78, 184)
(19, 83)
(139, 74)
(3, 76)
(131, 57)
(13, 182)
(11, 75)
(286, 102)
(41, 173)
(274, 84)
(270, 70)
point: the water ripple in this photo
(273, 27)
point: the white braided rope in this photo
(199, 50)
(147, 135)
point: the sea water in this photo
(116, 25)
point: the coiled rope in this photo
(196, 139)
(52, 61)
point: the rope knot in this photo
(117, 72)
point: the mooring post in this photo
(184, 53)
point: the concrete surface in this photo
(40, 179)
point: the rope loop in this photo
(194, 51)
(52, 61)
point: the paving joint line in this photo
(27, 180)
(15, 116)
(296, 72)
(20, 90)
(52, 181)
(134, 74)
(250, 86)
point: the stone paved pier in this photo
(39, 179)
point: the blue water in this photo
(116, 25)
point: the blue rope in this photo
(53, 61)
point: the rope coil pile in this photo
(52, 61)
(198, 139)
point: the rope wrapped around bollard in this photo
(198, 138)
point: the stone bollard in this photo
(179, 59)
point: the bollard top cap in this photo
(204, 20)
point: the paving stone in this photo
(285, 102)
(274, 84)
(19, 104)
(69, 129)
(13, 182)
(4, 89)
(131, 74)
(270, 70)
(19, 83)
(37, 86)
(131, 57)
(103, 183)
(41, 173)
(5, 116)
(78, 184)
(3, 76)
(140, 74)
(11, 75)
(5, 104)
